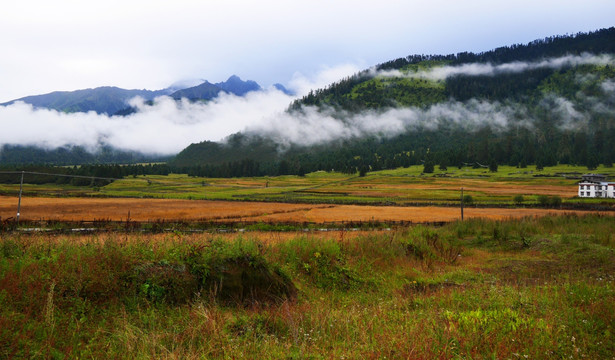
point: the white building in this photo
(596, 186)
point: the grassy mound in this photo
(249, 280)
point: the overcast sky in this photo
(67, 45)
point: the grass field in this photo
(35, 209)
(403, 186)
(536, 288)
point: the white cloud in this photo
(487, 69)
(311, 126)
(164, 128)
(301, 84)
(609, 86)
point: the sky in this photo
(75, 44)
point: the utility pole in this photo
(20, 191)
(461, 204)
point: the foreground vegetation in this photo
(530, 288)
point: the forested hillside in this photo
(547, 102)
(71, 155)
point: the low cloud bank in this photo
(311, 126)
(487, 69)
(164, 128)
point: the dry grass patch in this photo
(119, 209)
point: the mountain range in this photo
(114, 101)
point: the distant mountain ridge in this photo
(103, 100)
(112, 100)
(235, 85)
(207, 91)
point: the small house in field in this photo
(596, 186)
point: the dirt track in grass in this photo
(119, 209)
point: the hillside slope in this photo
(549, 101)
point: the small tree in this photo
(493, 166)
(592, 162)
(518, 199)
(468, 200)
(539, 165)
(428, 167)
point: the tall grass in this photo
(526, 288)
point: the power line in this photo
(62, 175)
(23, 172)
(149, 181)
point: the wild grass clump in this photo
(323, 262)
(427, 244)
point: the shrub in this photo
(543, 200)
(237, 274)
(518, 199)
(164, 282)
(248, 280)
(555, 201)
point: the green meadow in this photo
(509, 186)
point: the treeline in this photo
(69, 155)
(596, 42)
(448, 146)
(455, 147)
(85, 175)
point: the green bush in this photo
(555, 201)
(543, 200)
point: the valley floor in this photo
(144, 210)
